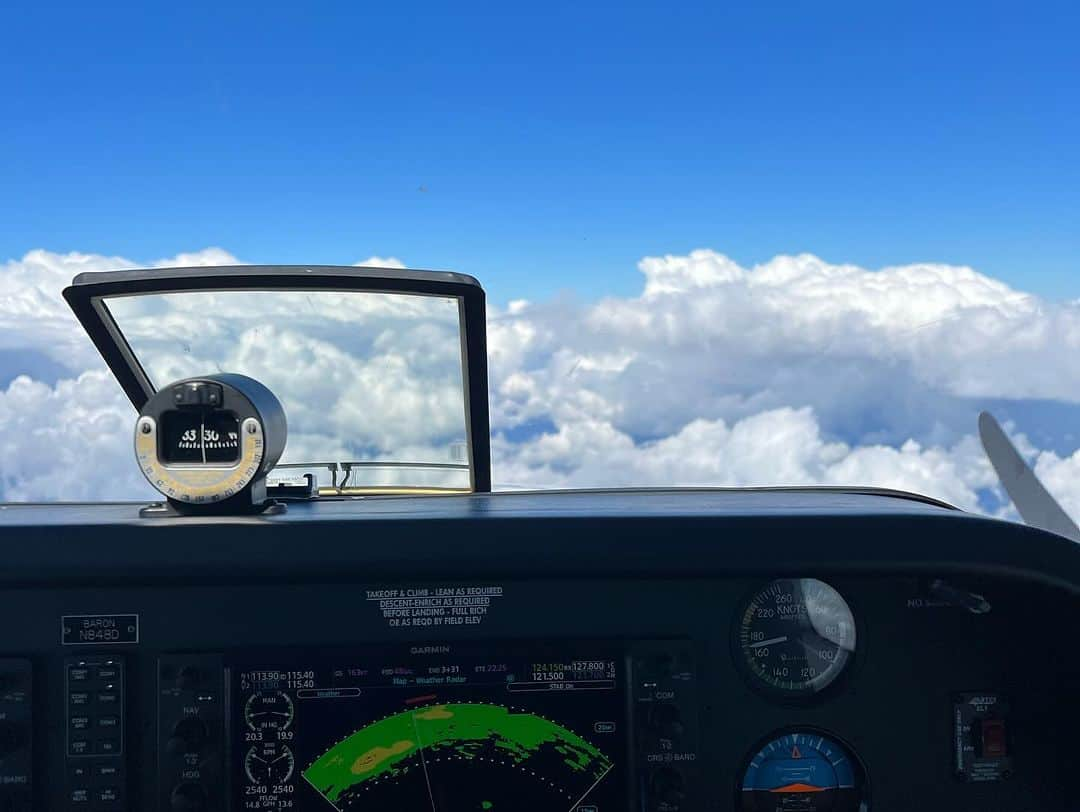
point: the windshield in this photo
(369, 380)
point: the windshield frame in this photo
(87, 293)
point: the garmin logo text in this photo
(430, 650)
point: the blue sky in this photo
(548, 147)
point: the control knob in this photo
(664, 724)
(188, 735)
(12, 737)
(188, 678)
(188, 798)
(666, 789)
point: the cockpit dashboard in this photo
(629, 650)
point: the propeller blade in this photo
(1033, 502)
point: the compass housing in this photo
(207, 443)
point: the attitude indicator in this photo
(804, 770)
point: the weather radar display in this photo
(445, 728)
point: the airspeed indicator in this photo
(794, 637)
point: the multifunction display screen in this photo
(445, 727)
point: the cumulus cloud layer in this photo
(361, 375)
(795, 371)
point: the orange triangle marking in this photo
(798, 788)
(795, 752)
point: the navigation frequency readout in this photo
(450, 728)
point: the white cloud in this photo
(795, 371)
(1060, 476)
(782, 446)
(380, 262)
(71, 441)
(199, 259)
(359, 374)
(871, 377)
(35, 319)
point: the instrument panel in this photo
(813, 690)
(329, 706)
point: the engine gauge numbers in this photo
(269, 710)
(794, 637)
(269, 763)
(803, 770)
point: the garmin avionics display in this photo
(446, 728)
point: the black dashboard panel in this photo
(636, 594)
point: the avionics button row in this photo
(85, 772)
(104, 699)
(88, 722)
(86, 672)
(109, 746)
(103, 799)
